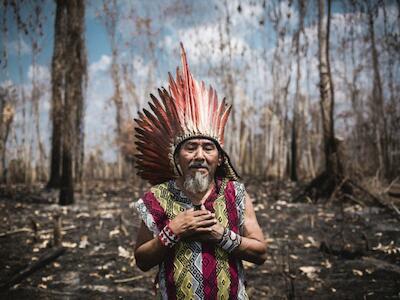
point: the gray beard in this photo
(197, 183)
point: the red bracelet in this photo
(167, 237)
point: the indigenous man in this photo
(198, 223)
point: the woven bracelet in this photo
(167, 237)
(230, 240)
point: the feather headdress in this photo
(187, 110)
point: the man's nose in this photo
(199, 154)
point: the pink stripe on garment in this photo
(161, 219)
(230, 200)
(209, 272)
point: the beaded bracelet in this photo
(230, 240)
(167, 237)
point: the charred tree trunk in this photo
(297, 122)
(57, 82)
(332, 162)
(111, 18)
(377, 107)
(74, 87)
(6, 118)
(81, 69)
(325, 184)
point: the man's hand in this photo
(212, 236)
(212, 233)
(193, 222)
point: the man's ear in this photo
(220, 159)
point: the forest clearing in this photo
(92, 94)
(315, 251)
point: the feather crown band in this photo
(187, 111)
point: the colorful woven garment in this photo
(194, 270)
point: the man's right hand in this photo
(192, 222)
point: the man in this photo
(198, 223)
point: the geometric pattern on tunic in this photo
(146, 216)
(188, 266)
(240, 201)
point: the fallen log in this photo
(15, 231)
(44, 260)
(125, 280)
(30, 230)
(381, 264)
(390, 207)
(341, 252)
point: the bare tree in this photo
(57, 83)
(74, 88)
(297, 123)
(377, 100)
(333, 175)
(333, 164)
(7, 111)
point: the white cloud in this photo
(101, 65)
(6, 84)
(205, 38)
(20, 45)
(39, 72)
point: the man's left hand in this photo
(214, 236)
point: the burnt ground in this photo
(339, 250)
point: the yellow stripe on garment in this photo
(165, 198)
(223, 274)
(183, 279)
(182, 276)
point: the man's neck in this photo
(196, 198)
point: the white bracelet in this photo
(230, 240)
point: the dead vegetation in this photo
(317, 250)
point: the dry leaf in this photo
(248, 265)
(357, 272)
(259, 206)
(84, 242)
(123, 252)
(48, 278)
(106, 215)
(83, 215)
(101, 246)
(369, 271)
(96, 275)
(388, 249)
(327, 264)
(310, 271)
(113, 232)
(69, 245)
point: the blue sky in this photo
(201, 26)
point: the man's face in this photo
(198, 155)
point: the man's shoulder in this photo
(236, 183)
(159, 186)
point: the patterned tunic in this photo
(197, 270)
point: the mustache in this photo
(197, 165)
